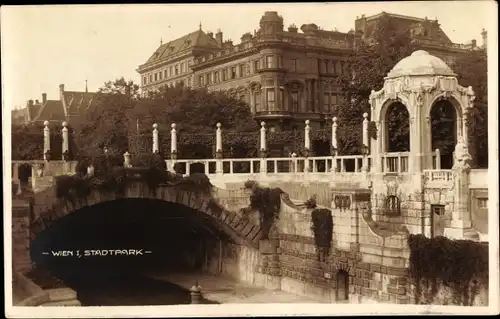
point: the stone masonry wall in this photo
(21, 261)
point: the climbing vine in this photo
(322, 227)
(461, 265)
(267, 201)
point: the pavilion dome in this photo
(420, 63)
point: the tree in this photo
(365, 70)
(106, 123)
(472, 70)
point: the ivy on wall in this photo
(461, 265)
(322, 227)
(267, 201)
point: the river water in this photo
(125, 290)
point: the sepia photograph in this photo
(250, 159)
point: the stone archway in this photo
(445, 132)
(397, 128)
(48, 208)
(342, 291)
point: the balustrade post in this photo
(16, 179)
(438, 158)
(399, 169)
(366, 143)
(46, 141)
(334, 145)
(126, 160)
(263, 149)
(307, 147)
(218, 150)
(65, 148)
(173, 148)
(156, 143)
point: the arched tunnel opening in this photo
(107, 252)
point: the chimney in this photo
(44, 98)
(218, 37)
(36, 102)
(474, 43)
(210, 34)
(485, 37)
(30, 102)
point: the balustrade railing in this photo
(395, 162)
(440, 175)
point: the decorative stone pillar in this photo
(461, 216)
(263, 149)
(218, 150)
(173, 148)
(366, 141)
(307, 146)
(65, 140)
(156, 146)
(126, 160)
(334, 145)
(46, 141)
(438, 158)
(196, 295)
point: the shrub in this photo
(268, 202)
(311, 202)
(322, 227)
(458, 264)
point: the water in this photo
(125, 290)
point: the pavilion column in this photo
(65, 148)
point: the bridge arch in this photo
(48, 208)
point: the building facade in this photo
(70, 106)
(286, 76)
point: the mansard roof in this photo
(196, 39)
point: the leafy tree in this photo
(365, 70)
(106, 123)
(471, 69)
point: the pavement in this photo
(227, 290)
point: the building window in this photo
(270, 99)
(242, 70)
(333, 68)
(170, 71)
(188, 69)
(256, 65)
(338, 68)
(269, 62)
(279, 62)
(207, 79)
(189, 81)
(160, 74)
(144, 80)
(165, 73)
(294, 65)
(224, 75)
(217, 79)
(150, 78)
(295, 101)
(176, 70)
(233, 73)
(256, 100)
(282, 98)
(201, 80)
(392, 206)
(482, 203)
(327, 65)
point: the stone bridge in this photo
(376, 199)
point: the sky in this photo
(44, 46)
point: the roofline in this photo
(394, 15)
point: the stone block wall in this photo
(21, 260)
(234, 261)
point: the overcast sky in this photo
(44, 46)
